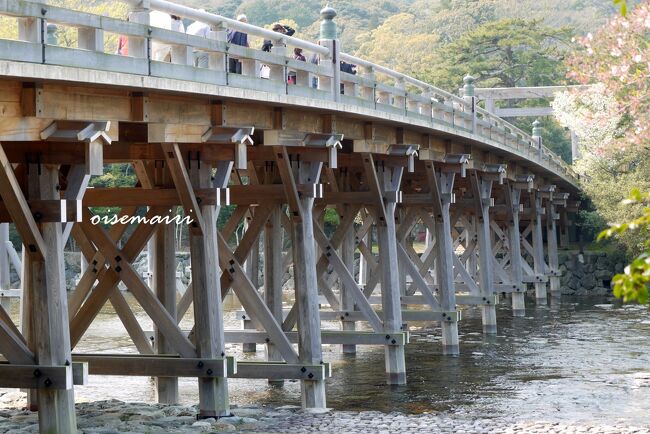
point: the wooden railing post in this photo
(368, 92)
(399, 99)
(328, 38)
(537, 137)
(470, 99)
(139, 47)
(217, 61)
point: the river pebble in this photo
(118, 417)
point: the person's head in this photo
(297, 51)
(277, 27)
(242, 18)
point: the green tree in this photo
(399, 44)
(632, 284)
(504, 53)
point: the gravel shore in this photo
(117, 417)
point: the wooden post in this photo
(26, 324)
(564, 229)
(49, 308)
(273, 274)
(206, 288)
(514, 240)
(5, 276)
(443, 184)
(164, 283)
(347, 301)
(304, 266)
(538, 246)
(390, 181)
(482, 189)
(551, 244)
(252, 270)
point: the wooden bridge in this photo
(385, 151)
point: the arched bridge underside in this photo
(387, 152)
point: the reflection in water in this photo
(581, 360)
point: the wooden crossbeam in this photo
(32, 376)
(117, 300)
(77, 182)
(96, 270)
(328, 337)
(321, 267)
(334, 259)
(281, 371)
(138, 287)
(13, 346)
(87, 312)
(251, 300)
(414, 272)
(153, 366)
(18, 208)
(373, 183)
(183, 185)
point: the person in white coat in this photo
(159, 50)
(198, 28)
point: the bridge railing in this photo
(165, 53)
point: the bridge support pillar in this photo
(5, 277)
(162, 260)
(252, 270)
(441, 184)
(564, 229)
(48, 306)
(482, 190)
(306, 284)
(389, 182)
(347, 301)
(513, 197)
(273, 273)
(206, 285)
(551, 244)
(538, 246)
(164, 283)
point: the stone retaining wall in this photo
(590, 273)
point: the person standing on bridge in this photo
(236, 37)
(267, 45)
(279, 28)
(160, 51)
(198, 28)
(297, 55)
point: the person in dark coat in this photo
(236, 37)
(280, 28)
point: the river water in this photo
(580, 360)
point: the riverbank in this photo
(113, 417)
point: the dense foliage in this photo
(611, 118)
(632, 284)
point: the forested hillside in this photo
(446, 19)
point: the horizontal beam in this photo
(281, 371)
(48, 211)
(35, 376)
(407, 315)
(11, 293)
(152, 366)
(328, 337)
(521, 92)
(523, 112)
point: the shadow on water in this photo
(580, 360)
